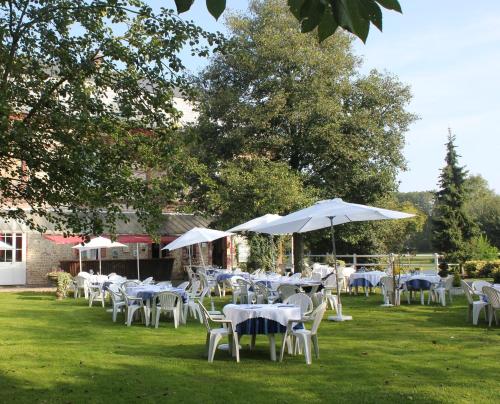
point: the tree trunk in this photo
(298, 252)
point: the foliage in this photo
(495, 274)
(64, 281)
(330, 261)
(86, 103)
(278, 94)
(262, 253)
(480, 269)
(483, 205)
(457, 279)
(248, 187)
(452, 227)
(479, 248)
(327, 16)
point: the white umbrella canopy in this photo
(96, 244)
(195, 236)
(5, 246)
(329, 213)
(325, 213)
(258, 221)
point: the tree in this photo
(248, 187)
(280, 94)
(482, 204)
(452, 227)
(86, 103)
(327, 16)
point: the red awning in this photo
(142, 238)
(124, 238)
(60, 239)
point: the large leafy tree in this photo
(280, 94)
(86, 104)
(326, 16)
(482, 204)
(452, 227)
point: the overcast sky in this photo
(448, 51)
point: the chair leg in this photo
(283, 345)
(314, 339)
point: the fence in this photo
(159, 269)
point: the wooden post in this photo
(354, 261)
(436, 261)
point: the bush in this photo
(330, 261)
(481, 269)
(496, 275)
(64, 281)
(479, 248)
(262, 253)
(457, 280)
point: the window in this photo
(16, 241)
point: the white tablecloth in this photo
(281, 313)
(423, 277)
(98, 279)
(373, 277)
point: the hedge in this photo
(481, 269)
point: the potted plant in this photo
(63, 281)
(443, 269)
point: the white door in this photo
(13, 262)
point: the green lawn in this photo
(62, 351)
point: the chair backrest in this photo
(478, 286)
(80, 281)
(448, 282)
(303, 301)
(261, 289)
(317, 298)
(493, 296)
(205, 315)
(296, 275)
(317, 316)
(115, 293)
(285, 291)
(183, 285)
(316, 276)
(167, 300)
(194, 288)
(467, 291)
(387, 283)
(128, 284)
(243, 285)
(84, 274)
(148, 281)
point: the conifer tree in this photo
(452, 227)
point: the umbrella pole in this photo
(292, 257)
(201, 255)
(80, 258)
(99, 253)
(137, 256)
(339, 316)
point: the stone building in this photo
(36, 254)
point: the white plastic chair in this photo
(286, 290)
(477, 286)
(214, 335)
(305, 337)
(134, 304)
(245, 294)
(183, 285)
(96, 294)
(80, 284)
(296, 276)
(303, 301)
(330, 284)
(493, 297)
(117, 300)
(440, 290)
(474, 306)
(387, 285)
(168, 302)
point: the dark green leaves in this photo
(216, 7)
(354, 16)
(183, 5)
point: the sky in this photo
(449, 53)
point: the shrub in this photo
(64, 281)
(479, 248)
(496, 275)
(481, 269)
(456, 280)
(330, 261)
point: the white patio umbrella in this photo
(5, 246)
(329, 213)
(196, 235)
(96, 244)
(258, 221)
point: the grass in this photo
(64, 352)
